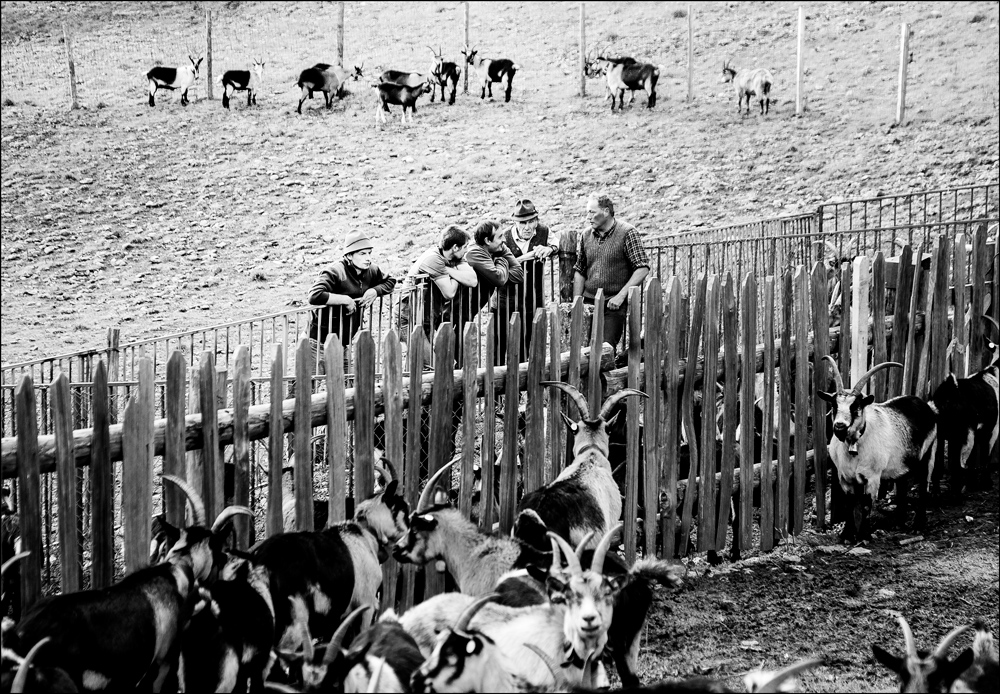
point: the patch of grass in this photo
(7, 101)
(680, 14)
(977, 18)
(258, 276)
(612, 36)
(100, 105)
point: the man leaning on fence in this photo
(609, 256)
(346, 289)
(532, 243)
(498, 271)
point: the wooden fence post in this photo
(72, 67)
(29, 492)
(802, 395)
(392, 389)
(69, 541)
(208, 59)
(411, 465)
(800, 64)
(960, 358)
(706, 458)
(336, 428)
(904, 53)
(275, 447)
(211, 466)
(690, 52)
(583, 50)
(488, 447)
(469, 366)
(340, 34)
(102, 508)
(303, 436)
(821, 344)
(652, 430)
(730, 338)
(596, 341)
(441, 432)
(687, 414)
(534, 443)
(173, 457)
(508, 461)
(670, 436)
(241, 442)
(632, 442)
(137, 470)
(767, 427)
(749, 307)
(556, 426)
(364, 416)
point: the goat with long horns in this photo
(895, 440)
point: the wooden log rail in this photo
(260, 416)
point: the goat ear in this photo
(894, 663)
(618, 582)
(828, 397)
(390, 490)
(537, 573)
(865, 401)
(611, 422)
(955, 668)
(556, 588)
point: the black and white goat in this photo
(318, 577)
(894, 440)
(182, 78)
(750, 83)
(226, 645)
(627, 73)
(127, 635)
(19, 674)
(384, 652)
(967, 410)
(249, 81)
(443, 73)
(398, 95)
(974, 670)
(490, 70)
(584, 498)
(493, 654)
(326, 78)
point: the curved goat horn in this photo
(194, 498)
(911, 645)
(992, 322)
(21, 678)
(574, 394)
(941, 652)
(13, 560)
(871, 372)
(228, 513)
(551, 664)
(425, 496)
(469, 612)
(333, 648)
(556, 556)
(373, 683)
(836, 372)
(386, 475)
(613, 400)
(779, 678)
(581, 546)
(597, 565)
(572, 561)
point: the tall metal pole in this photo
(208, 53)
(800, 64)
(340, 34)
(72, 67)
(904, 53)
(465, 68)
(583, 50)
(690, 53)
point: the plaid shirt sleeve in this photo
(634, 250)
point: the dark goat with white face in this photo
(173, 78)
(248, 81)
(894, 440)
(443, 73)
(490, 70)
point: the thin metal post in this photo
(690, 53)
(800, 64)
(72, 67)
(904, 52)
(583, 50)
(208, 53)
(465, 68)
(340, 34)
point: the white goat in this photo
(896, 439)
(173, 78)
(750, 83)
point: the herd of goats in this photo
(401, 88)
(542, 609)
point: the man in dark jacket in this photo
(347, 289)
(532, 243)
(498, 270)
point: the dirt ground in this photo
(165, 219)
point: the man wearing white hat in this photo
(346, 288)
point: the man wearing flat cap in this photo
(345, 289)
(532, 243)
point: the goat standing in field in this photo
(748, 83)
(443, 73)
(627, 73)
(173, 78)
(326, 78)
(248, 81)
(490, 70)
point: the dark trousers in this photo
(614, 323)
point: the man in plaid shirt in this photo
(609, 256)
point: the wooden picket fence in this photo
(671, 347)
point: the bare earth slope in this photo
(158, 219)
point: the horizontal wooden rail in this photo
(259, 416)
